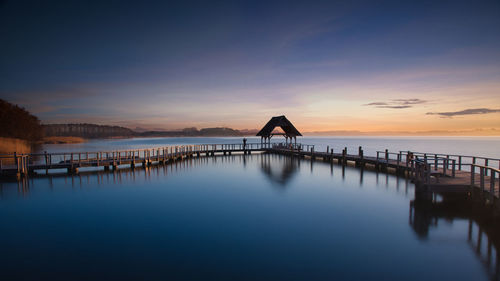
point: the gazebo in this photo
(289, 131)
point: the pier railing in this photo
(494, 175)
(460, 160)
(22, 163)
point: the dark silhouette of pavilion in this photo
(289, 131)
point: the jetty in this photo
(432, 172)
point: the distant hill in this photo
(16, 122)
(194, 132)
(85, 130)
(103, 131)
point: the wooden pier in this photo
(433, 172)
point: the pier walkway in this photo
(437, 172)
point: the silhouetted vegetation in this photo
(88, 131)
(193, 132)
(17, 122)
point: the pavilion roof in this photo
(283, 123)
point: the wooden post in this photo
(472, 173)
(486, 164)
(460, 163)
(481, 178)
(428, 173)
(386, 154)
(492, 183)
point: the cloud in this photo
(469, 111)
(397, 103)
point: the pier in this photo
(437, 173)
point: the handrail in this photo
(248, 145)
(454, 155)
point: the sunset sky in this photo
(326, 65)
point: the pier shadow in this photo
(483, 234)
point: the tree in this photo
(17, 122)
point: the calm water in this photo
(477, 146)
(257, 217)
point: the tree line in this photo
(17, 122)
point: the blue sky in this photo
(236, 63)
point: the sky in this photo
(371, 66)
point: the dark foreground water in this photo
(258, 217)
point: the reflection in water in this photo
(483, 230)
(279, 169)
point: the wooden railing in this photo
(22, 162)
(483, 172)
(460, 160)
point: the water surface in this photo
(256, 217)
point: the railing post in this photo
(428, 173)
(472, 174)
(492, 183)
(453, 167)
(460, 163)
(481, 177)
(486, 164)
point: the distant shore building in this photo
(268, 131)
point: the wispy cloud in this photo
(470, 111)
(397, 103)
